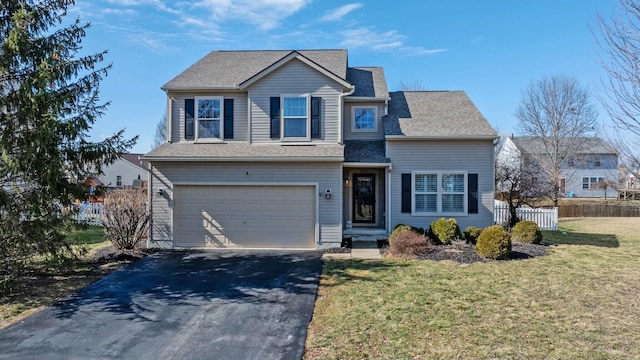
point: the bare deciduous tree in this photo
(517, 184)
(126, 218)
(559, 112)
(160, 136)
(619, 45)
(416, 85)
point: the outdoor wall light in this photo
(160, 191)
(346, 181)
(327, 193)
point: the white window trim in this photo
(439, 193)
(297, 138)
(375, 118)
(591, 183)
(196, 119)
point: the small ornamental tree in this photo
(126, 218)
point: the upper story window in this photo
(439, 193)
(597, 161)
(208, 118)
(119, 181)
(364, 119)
(295, 117)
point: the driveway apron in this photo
(180, 305)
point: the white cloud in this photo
(266, 14)
(110, 11)
(388, 41)
(154, 41)
(158, 4)
(338, 13)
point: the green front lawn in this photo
(581, 301)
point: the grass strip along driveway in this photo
(582, 301)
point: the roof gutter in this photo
(447, 137)
(243, 159)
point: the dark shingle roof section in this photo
(584, 145)
(365, 151)
(369, 82)
(435, 113)
(228, 69)
(135, 160)
(242, 150)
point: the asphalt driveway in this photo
(180, 305)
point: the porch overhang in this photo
(366, 165)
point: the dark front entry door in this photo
(364, 198)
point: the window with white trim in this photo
(119, 181)
(208, 116)
(364, 119)
(439, 193)
(589, 182)
(295, 117)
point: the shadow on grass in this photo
(344, 271)
(576, 238)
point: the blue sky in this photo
(491, 49)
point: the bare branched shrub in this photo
(405, 242)
(126, 218)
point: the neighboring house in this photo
(129, 171)
(295, 149)
(584, 174)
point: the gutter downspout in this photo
(169, 116)
(340, 141)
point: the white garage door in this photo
(244, 216)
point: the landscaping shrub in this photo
(443, 231)
(526, 232)
(404, 241)
(420, 231)
(494, 243)
(126, 218)
(471, 234)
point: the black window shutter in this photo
(275, 117)
(472, 182)
(315, 117)
(406, 193)
(189, 118)
(228, 118)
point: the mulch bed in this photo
(463, 253)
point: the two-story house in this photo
(589, 169)
(296, 149)
(126, 172)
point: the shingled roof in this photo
(228, 69)
(369, 82)
(435, 114)
(584, 145)
(243, 150)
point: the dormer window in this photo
(364, 119)
(295, 117)
(209, 122)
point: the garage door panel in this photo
(245, 216)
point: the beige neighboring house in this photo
(127, 172)
(297, 149)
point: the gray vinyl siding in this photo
(326, 175)
(475, 157)
(347, 124)
(574, 182)
(294, 78)
(239, 114)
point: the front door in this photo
(364, 198)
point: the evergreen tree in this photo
(48, 103)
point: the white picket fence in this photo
(89, 213)
(547, 219)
